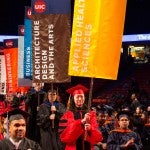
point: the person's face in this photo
(138, 110)
(38, 87)
(124, 122)
(5, 124)
(9, 97)
(79, 100)
(17, 129)
(19, 95)
(101, 118)
(148, 108)
(133, 96)
(52, 96)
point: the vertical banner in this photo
(11, 61)
(20, 51)
(20, 30)
(1, 48)
(97, 38)
(28, 44)
(22, 82)
(51, 31)
(2, 70)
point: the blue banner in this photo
(28, 44)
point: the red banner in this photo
(11, 61)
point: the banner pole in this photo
(52, 89)
(89, 105)
(90, 94)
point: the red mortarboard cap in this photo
(78, 89)
(12, 114)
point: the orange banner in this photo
(11, 60)
(97, 38)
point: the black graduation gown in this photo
(105, 130)
(49, 135)
(146, 137)
(25, 144)
(34, 99)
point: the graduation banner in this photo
(28, 43)
(11, 61)
(2, 75)
(20, 30)
(97, 38)
(51, 21)
(1, 48)
(22, 82)
(20, 51)
(2, 70)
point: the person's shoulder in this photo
(33, 144)
(42, 92)
(4, 144)
(68, 114)
(4, 140)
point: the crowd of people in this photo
(38, 120)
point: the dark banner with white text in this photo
(51, 33)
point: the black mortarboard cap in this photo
(15, 114)
(124, 113)
(104, 108)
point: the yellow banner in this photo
(97, 38)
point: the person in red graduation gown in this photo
(78, 127)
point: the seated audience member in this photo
(138, 120)
(17, 130)
(146, 131)
(134, 102)
(106, 122)
(122, 137)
